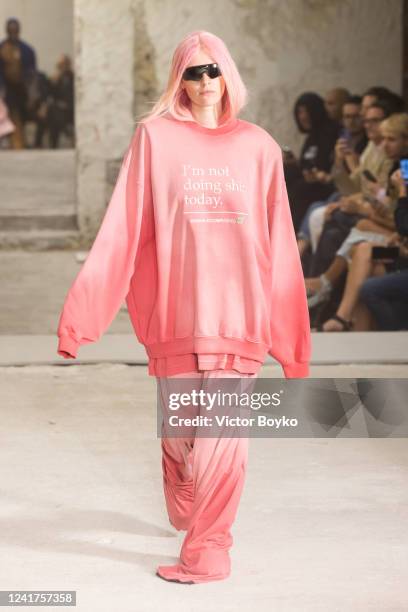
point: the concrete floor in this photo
(321, 525)
(322, 522)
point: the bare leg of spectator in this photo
(55, 123)
(41, 128)
(363, 320)
(361, 267)
(332, 274)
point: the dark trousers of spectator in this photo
(41, 128)
(16, 100)
(335, 231)
(302, 194)
(386, 297)
(58, 118)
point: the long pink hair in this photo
(175, 100)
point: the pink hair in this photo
(176, 101)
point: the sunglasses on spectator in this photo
(194, 73)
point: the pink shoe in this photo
(177, 573)
(163, 569)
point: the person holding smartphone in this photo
(348, 172)
(330, 224)
(303, 182)
(355, 254)
(386, 297)
(352, 140)
(334, 223)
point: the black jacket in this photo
(318, 147)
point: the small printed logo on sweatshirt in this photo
(240, 219)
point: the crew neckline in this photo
(231, 125)
(225, 128)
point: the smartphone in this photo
(369, 176)
(404, 169)
(379, 252)
(344, 133)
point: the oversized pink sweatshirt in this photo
(198, 239)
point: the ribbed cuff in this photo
(296, 370)
(67, 347)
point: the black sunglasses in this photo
(194, 73)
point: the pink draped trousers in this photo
(203, 479)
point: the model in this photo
(198, 239)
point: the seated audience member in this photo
(37, 106)
(352, 137)
(17, 63)
(304, 186)
(386, 297)
(393, 101)
(330, 225)
(350, 169)
(334, 101)
(6, 125)
(61, 108)
(376, 229)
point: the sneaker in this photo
(322, 295)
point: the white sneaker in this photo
(322, 295)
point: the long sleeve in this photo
(289, 314)
(371, 159)
(347, 183)
(102, 283)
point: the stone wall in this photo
(104, 98)
(123, 52)
(45, 24)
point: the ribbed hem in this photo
(208, 344)
(296, 370)
(195, 363)
(67, 345)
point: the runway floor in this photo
(321, 525)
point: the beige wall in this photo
(46, 25)
(124, 48)
(283, 48)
